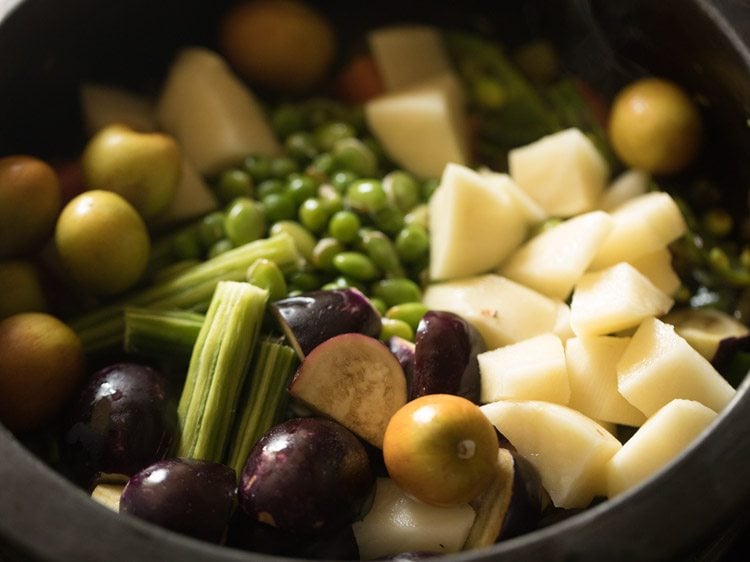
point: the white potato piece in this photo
(193, 198)
(628, 185)
(569, 450)
(657, 268)
(407, 54)
(103, 105)
(592, 375)
(659, 366)
(108, 494)
(554, 260)
(563, 172)
(642, 225)
(398, 523)
(614, 299)
(657, 442)
(502, 310)
(532, 369)
(422, 128)
(473, 225)
(532, 211)
(217, 120)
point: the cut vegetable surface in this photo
(569, 450)
(354, 379)
(398, 523)
(659, 365)
(474, 224)
(665, 434)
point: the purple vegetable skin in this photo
(445, 356)
(311, 318)
(191, 497)
(125, 419)
(307, 476)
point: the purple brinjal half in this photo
(188, 496)
(311, 318)
(307, 476)
(445, 356)
(125, 419)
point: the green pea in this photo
(186, 245)
(356, 265)
(382, 252)
(233, 183)
(282, 166)
(412, 243)
(428, 188)
(402, 190)
(269, 186)
(313, 215)
(343, 282)
(366, 196)
(303, 281)
(304, 241)
(258, 166)
(355, 156)
(219, 247)
(266, 274)
(211, 228)
(419, 215)
(324, 252)
(341, 180)
(409, 312)
(301, 187)
(328, 134)
(287, 119)
(322, 165)
(245, 221)
(279, 207)
(344, 226)
(388, 219)
(391, 327)
(331, 199)
(397, 291)
(301, 146)
(378, 305)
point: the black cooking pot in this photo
(47, 47)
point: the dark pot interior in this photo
(47, 48)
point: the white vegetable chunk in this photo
(614, 299)
(532, 369)
(628, 185)
(705, 328)
(193, 198)
(398, 523)
(422, 128)
(643, 225)
(563, 172)
(408, 54)
(532, 211)
(103, 105)
(216, 119)
(554, 260)
(592, 376)
(502, 310)
(474, 226)
(662, 438)
(569, 450)
(659, 366)
(657, 267)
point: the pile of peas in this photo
(357, 219)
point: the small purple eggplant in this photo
(311, 318)
(125, 419)
(188, 496)
(445, 357)
(403, 350)
(307, 476)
